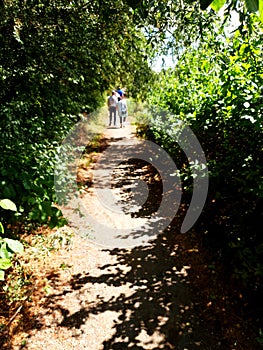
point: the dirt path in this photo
(158, 296)
(101, 217)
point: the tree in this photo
(216, 88)
(57, 59)
(175, 25)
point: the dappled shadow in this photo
(160, 304)
(163, 309)
(124, 177)
(164, 303)
(171, 298)
(141, 197)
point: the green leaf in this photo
(2, 275)
(1, 228)
(217, 4)
(252, 5)
(4, 253)
(260, 7)
(7, 204)
(14, 245)
(5, 263)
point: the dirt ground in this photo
(164, 295)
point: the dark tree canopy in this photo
(57, 59)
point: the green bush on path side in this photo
(8, 247)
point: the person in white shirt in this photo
(112, 106)
(122, 110)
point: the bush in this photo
(216, 89)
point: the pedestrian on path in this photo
(112, 106)
(123, 110)
(119, 92)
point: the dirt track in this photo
(147, 297)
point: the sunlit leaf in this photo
(14, 245)
(4, 253)
(260, 7)
(217, 4)
(8, 204)
(2, 275)
(5, 263)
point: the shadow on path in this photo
(164, 309)
(175, 301)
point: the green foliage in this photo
(216, 88)
(250, 5)
(260, 338)
(17, 282)
(173, 26)
(56, 61)
(8, 247)
(217, 4)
